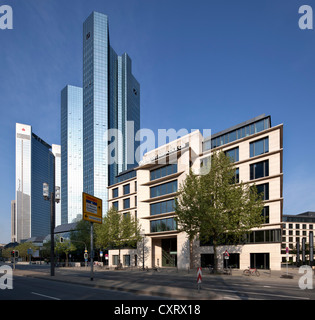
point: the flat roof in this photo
(238, 126)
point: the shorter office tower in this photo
(34, 165)
(71, 153)
(295, 229)
(148, 192)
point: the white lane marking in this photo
(42, 295)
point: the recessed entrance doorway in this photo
(169, 252)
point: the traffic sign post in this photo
(91, 211)
(199, 278)
(226, 258)
(287, 253)
(92, 208)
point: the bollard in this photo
(199, 278)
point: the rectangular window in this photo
(115, 193)
(236, 178)
(115, 205)
(127, 203)
(263, 189)
(259, 147)
(163, 189)
(233, 154)
(127, 260)
(115, 260)
(164, 171)
(265, 214)
(163, 225)
(126, 188)
(162, 207)
(259, 170)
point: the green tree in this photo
(81, 236)
(64, 247)
(216, 207)
(189, 210)
(23, 248)
(117, 231)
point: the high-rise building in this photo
(71, 154)
(34, 165)
(111, 100)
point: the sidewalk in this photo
(166, 283)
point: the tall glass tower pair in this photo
(110, 100)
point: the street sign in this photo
(91, 208)
(199, 275)
(226, 255)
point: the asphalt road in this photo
(231, 288)
(26, 288)
(228, 287)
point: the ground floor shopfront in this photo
(173, 251)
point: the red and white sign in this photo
(23, 128)
(199, 275)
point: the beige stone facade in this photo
(150, 198)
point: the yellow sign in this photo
(91, 208)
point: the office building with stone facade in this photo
(148, 191)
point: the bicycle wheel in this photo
(257, 273)
(246, 272)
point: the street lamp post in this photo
(54, 197)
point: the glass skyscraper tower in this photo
(111, 100)
(71, 153)
(34, 165)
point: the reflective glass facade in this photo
(34, 165)
(71, 153)
(111, 98)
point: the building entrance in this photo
(169, 252)
(260, 260)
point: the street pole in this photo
(54, 197)
(311, 244)
(52, 230)
(143, 251)
(91, 257)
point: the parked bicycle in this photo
(211, 269)
(251, 271)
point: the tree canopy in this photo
(214, 205)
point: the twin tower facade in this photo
(108, 99)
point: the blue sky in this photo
(201, 64)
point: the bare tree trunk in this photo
(191, 253)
